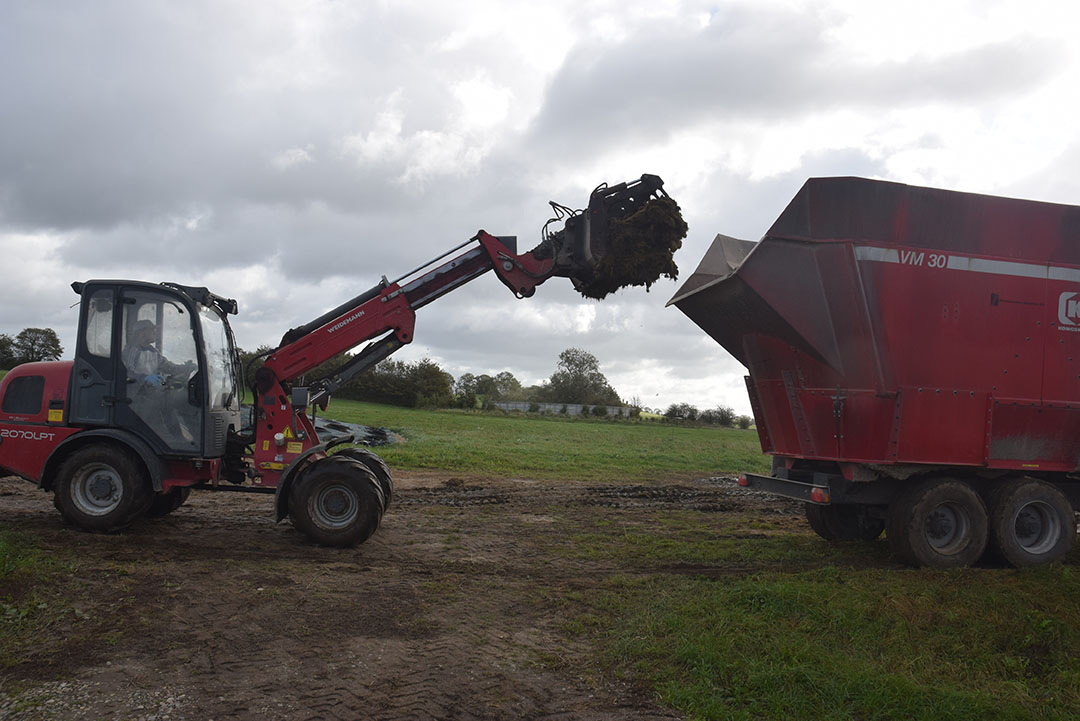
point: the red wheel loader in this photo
(150, 406)
(914, 365)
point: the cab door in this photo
(93, 376)
(156, 350)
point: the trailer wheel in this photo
(939, 523)
(1031, 522)
(376, 465)
(101, 488)
(843, 522)
(165, 503)
(337, 501)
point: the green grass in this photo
(16, 557)
(682, 538)
(841, 643)
(27, 607)
(554, 447)
(743, 617)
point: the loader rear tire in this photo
(938, 523)
(843, 522)
(336, 502)
(101, 488)
(376, 465)
(1031, 522)
(165, 503)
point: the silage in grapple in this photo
(640, 249)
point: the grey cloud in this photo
(756, 64)
(726, 202)
(128, 111)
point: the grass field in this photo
(841, 641)
(555, 447)
(846, 640)
(719, 615)
(838, 641)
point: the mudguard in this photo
(154, 464)
(281, 495)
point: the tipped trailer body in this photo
(914, 364)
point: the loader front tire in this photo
(165, 503)
(376, 465)
(337, 501)
(938, 523)
(1031, 522)
(101, 488)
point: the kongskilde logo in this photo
(1068, 311)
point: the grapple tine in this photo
(626, 236)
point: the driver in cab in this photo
(142, 358)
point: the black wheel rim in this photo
(947, 527)
(335, 506)
(1036, 528)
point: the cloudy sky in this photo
(289, 154)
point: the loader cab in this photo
(158, 361)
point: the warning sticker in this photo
(56, 415)
(294, 447)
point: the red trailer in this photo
(914, 359)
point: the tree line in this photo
(577, 379)
(28, 346)
(719, 416)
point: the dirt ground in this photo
(453, 610)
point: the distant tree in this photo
(252, 361)
(37, 344)
(578, 379)
(719, 416)
(465, 391)
(465, 384)
(535, 393)
(487, 388)
(430, 384)
(7, 351)
(508, 387)
(725, 416)
(422, 383)
(743, 422)
(683, 411)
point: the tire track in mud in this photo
(715, 495)
(449, 612)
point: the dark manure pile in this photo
(640, 249)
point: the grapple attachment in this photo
(627, 236)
